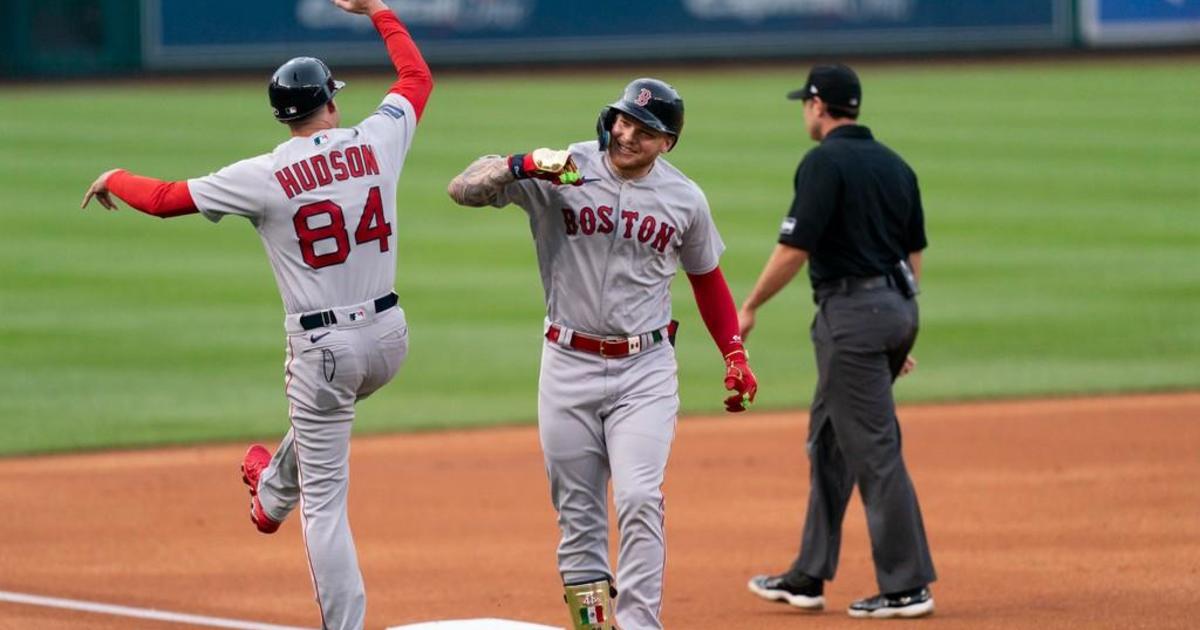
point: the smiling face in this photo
(633, 146)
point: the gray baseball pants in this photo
(602, 418)
(324, 378)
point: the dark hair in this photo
(836, 111)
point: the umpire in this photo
(857, 219)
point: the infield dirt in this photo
(1067, 513)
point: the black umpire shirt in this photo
(857, 209)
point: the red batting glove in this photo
(739, 379)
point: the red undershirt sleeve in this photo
(152, 196)
(715, 303)
(414, 81)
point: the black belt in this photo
(850, 285)
(310, 321)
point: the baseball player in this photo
(324, 204)
(612, 221)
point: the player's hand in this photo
(361, 7)
(910, 364)
(99, 190)
(740, 380)
(745, 322)
(553, 166)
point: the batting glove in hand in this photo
(553, 166)
(739, 379)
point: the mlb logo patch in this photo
(358, 315)
(789, 226)
(320, 139)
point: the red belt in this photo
(609, 346)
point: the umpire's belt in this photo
(850, 285)
(309, 321)
(609, 347)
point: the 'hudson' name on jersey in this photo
(319, 170)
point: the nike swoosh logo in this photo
(315, 337)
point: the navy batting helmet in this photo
(653, 102)
(300, 86)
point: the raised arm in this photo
(413, 79)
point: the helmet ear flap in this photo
(604, 125)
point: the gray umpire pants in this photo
(861, 339)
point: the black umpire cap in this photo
(836, 84)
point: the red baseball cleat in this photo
(253, 462)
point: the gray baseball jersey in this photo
(325, 208)
(608, 250)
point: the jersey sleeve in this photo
(237, 189)
(525, 193)
(390, 129)
(702, 245)
(817, 186)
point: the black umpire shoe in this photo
(917, 602)
(805, 593)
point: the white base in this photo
(475, 624)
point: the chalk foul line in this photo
(139, 613)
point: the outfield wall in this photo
(235, 33)
(1139, 22)
(90, 37)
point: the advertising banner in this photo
(1139, 22)
(229, 33)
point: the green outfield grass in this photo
(1062, 204)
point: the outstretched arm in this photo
(413, 79)
(145, 194)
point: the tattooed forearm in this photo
(481, 181)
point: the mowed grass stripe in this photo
(1063, 218)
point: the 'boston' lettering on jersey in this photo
(603, 220)
(320, 170)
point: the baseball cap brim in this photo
(800, 95)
